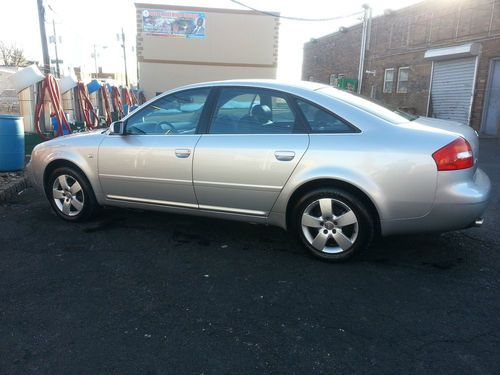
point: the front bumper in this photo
(33, 177)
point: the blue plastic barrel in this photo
(11, 143)
(55, 124)
(93, 86)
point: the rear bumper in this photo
(477, 223)
(459, 204)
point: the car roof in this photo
(305, 89)
(299, 88)
(282, 85)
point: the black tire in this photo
(361, 232)
(84, 195)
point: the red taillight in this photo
(453, 156)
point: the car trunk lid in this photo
(459, 129)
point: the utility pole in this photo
(366, 21)
(43, 36)
(58, 73)
(95, 63)
(125, 57)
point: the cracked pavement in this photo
(143, 292)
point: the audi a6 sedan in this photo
(332, 168)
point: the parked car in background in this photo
(332, 168)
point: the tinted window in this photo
(173, 114)
(322, 121)
(252, 111)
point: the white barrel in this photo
(26, 77)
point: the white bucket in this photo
(67, 83)
(26, 77)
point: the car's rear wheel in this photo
(70, 194)
(333, 224)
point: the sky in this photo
(85, 23)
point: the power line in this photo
(295, 18)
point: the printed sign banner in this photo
(174, 24)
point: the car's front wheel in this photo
(70, 194)
(333, 224)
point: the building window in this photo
(403, 74)
(388, 80)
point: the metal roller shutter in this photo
(452, 89)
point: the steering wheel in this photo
(170, 127)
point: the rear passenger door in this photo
(252, 145)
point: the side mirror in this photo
(117, 127)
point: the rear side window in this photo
(322, 121)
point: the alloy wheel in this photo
(68, 195)
(329, 225)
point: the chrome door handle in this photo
(182, 153)
(284, 155)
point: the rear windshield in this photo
(366, 105)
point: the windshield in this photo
(400, 111)
(383, 111)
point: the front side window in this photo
(322, 121)
(388, 80)
(177, 113)
(403, 75)
(252, 111)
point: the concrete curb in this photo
(11, 190)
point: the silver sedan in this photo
(332, 168)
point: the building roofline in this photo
(205, 9)
(348, 28)
(393, 11)
(359, 24)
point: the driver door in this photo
(152, 162)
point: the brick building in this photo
(439, 58)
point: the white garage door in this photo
(452, 89)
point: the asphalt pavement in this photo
(137, 292)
